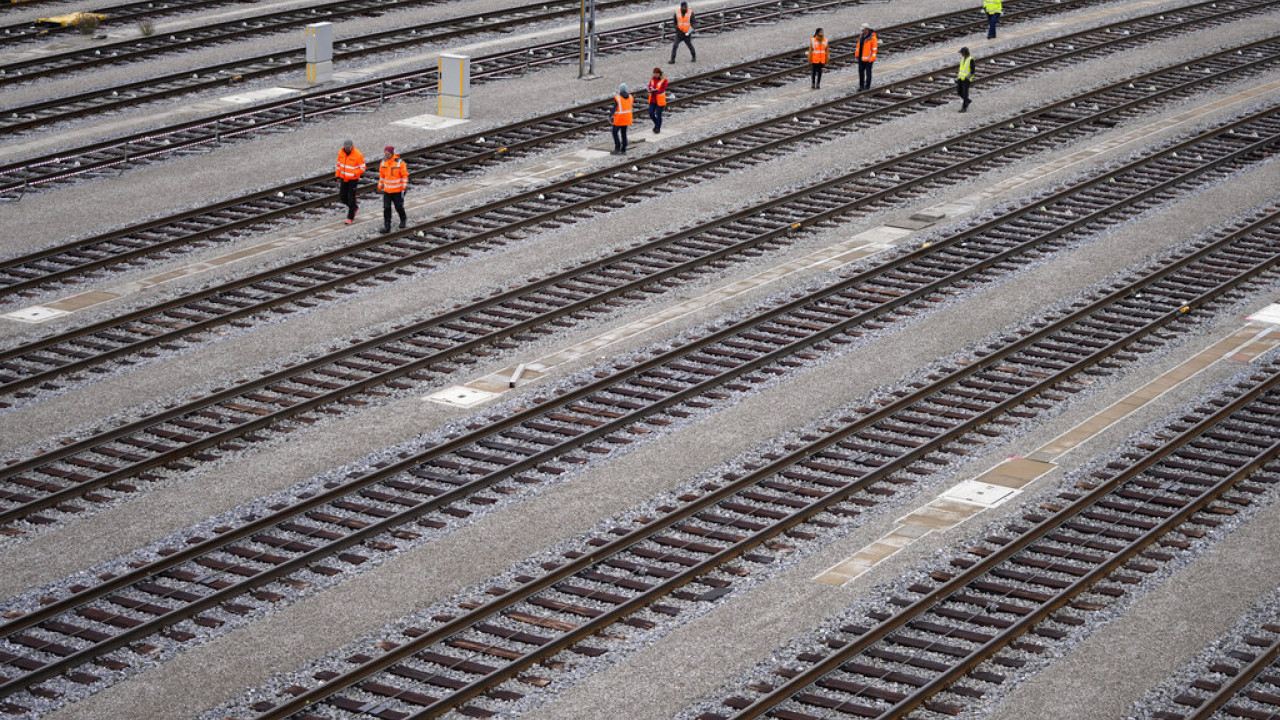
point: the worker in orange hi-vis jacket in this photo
(393, 180)
(621, 119)
(350, 168)
(684, 32)
(817, 58)
(865, 51)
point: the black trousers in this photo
(864, 74)
(687, 40)
(389, 199)
(655, 114)
(347, 196)
(962, 89)
(620, 137)
(815, 73)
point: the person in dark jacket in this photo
(684, 32)
(964, 78)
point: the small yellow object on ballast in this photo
(70, 18)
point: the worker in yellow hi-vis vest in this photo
(964, 78)
(992, 8)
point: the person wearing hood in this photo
(621, 119)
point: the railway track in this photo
(15, 33)
(1240, 680)
(22, 275)
(434, 347)
(118, 155)
(199, 579)
(194, 37)
(210, 34)
(1013, 593)
(26, 274)
(371, 92)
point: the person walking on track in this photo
(350, 168)
(684, 32)
(621, 119)
(817, 58)
(964, 78)
(992, 8)
(865, 51)
(657, 98)
(393, 180)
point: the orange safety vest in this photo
(684, 20)
(393, 175)
(658, 92)
(622, 114)
(867, 48)
(350, 164)
(818, 50)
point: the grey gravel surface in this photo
(1250, 625)
(711, 649)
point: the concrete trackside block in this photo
(461, 396)
(1269, 314)
(37, 314)
(428, 122)
(319, 72)
(457, 108)
(319, 42)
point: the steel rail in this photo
(1053, 520)
(597, 554)
(136, 49)
(127, 11)
(15, 33)
(1239, 681)
(85, 444)
(460, 154)
(218, 128)
(129, 95)
(190, 551)
(584, 391)
(169, 619)
(18, 176)
(917, 97)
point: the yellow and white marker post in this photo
(319, 53)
